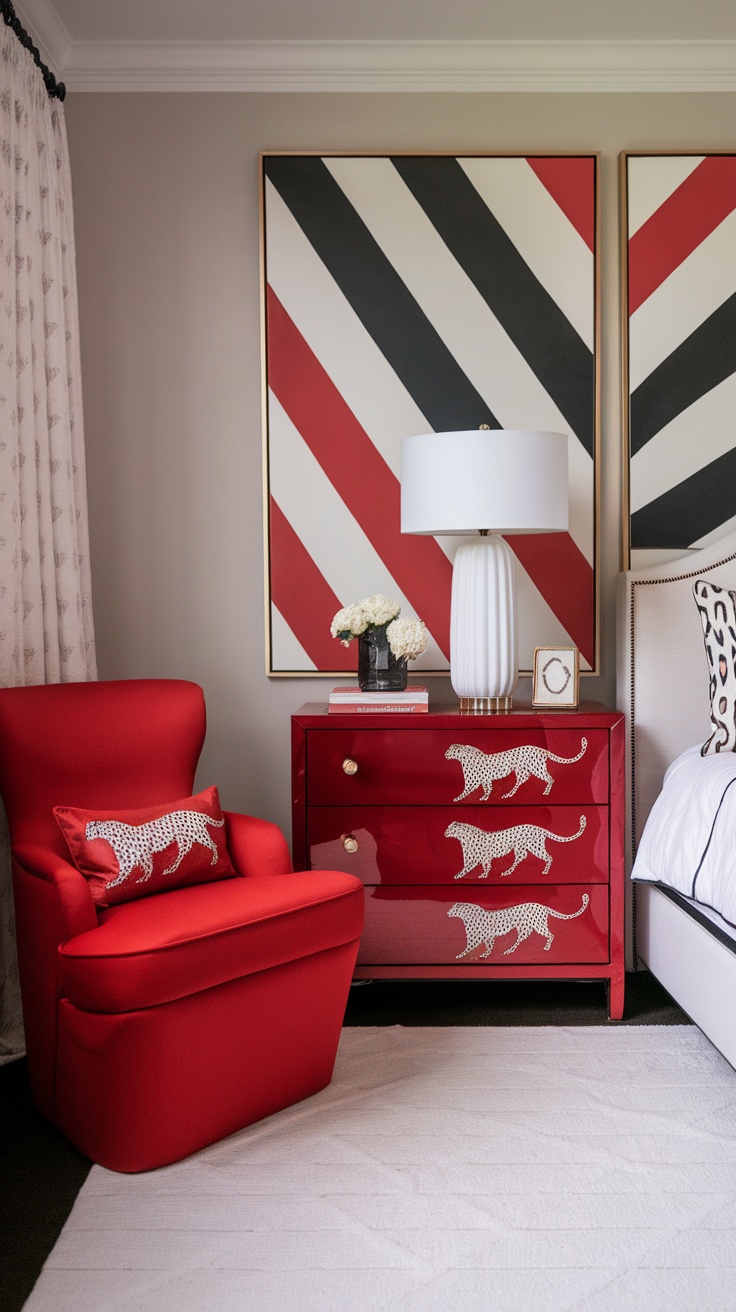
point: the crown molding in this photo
(43, 24)
(370, 66)
(403, 66)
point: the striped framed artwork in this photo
(679, 294)
(416, 293)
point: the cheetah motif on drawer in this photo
(481, 846)
(485, 927)
(483, 769)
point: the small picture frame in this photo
(556, 676)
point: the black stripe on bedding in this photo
(710, 835)
(701, 918)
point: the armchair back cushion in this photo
(128, 743)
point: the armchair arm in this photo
(256, 847)
(76, 912)
(52, 904)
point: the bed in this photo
(663, 688)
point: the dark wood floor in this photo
(496, 1002)
(41, 1174)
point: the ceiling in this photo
(395, 20)
(387, 44)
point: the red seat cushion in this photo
(153, 950)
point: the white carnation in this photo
(375, 612)
(379, 609)
(349, 623)
(407, 638)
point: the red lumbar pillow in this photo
(129, 854)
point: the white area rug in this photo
(444, 1170)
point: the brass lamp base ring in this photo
(481, 705)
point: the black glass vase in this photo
(378, 669)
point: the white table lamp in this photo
(487, 482)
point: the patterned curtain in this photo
(46, 630)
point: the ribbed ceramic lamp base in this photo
(484, 662)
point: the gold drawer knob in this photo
(350, 842)
(350, 766)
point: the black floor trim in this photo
(40, 1177)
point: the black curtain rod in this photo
(56, 90)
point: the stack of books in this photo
(351, 700)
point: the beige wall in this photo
(166, 212)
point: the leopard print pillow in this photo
(130, 854)
(717, 609)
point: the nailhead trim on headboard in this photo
(648, 583)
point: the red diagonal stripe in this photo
(682, 222)
(304, 597)
(371, 492)
(357, 471)
(571, 182)
(565, 579)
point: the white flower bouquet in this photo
(407, 638)
(362, 616)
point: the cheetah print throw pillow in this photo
(129, 854)
(717, 609)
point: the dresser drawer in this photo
(498, 766)
(438, 925)
(433, 844)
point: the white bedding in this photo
(707, 913)
(689, 840)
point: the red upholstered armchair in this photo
(162, 1024)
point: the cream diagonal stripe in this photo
(335, 541)
(537, 621)
(672, 455)
(542, 234)
(651, 179)
(691, 293)
(374, 393)
(462, 318)
(287, 650)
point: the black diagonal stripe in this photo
(552, 348)
(690, 509)
(382, 302)
(698, 364)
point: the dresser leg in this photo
(615, 994)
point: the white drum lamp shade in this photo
(488, 482)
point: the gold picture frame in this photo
(678, 309)
(345, 329)
(556, 677)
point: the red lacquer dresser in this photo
(490, 846)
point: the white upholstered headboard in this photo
(661, 670)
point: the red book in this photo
(352, 694)
(385, 708)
